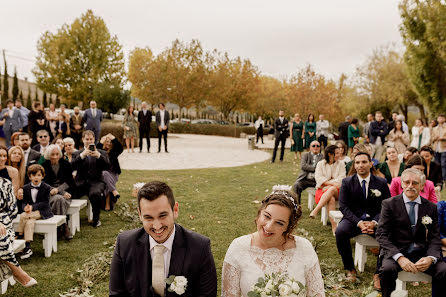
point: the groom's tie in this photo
(412, 213)
(158, 275)
(364, 189)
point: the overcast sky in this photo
(279, 36)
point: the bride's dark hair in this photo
(282, 198)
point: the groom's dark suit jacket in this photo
(394, 232)
(131, 268)
(352, 202)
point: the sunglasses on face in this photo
(43, 136)
(315, 145)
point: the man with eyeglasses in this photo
(43, 139)
(308, 166)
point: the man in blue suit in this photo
(13, 121)
(93, 118)
(360, 200)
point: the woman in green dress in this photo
(130, 127)
(296, 136)
(353, 134)
(310, 130)
(392, 167)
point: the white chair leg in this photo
(400, 285)
(310, 201)
(4, 286)
(363, 259)
(89, 211)
(324, 216)
(12, 281)
(54, 241)
(48, 244)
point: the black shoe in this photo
(166, 151)
(159, 151)
(140, 151)
(27, 252)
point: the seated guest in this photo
(16, 159)
(441, 206)
(329, 175)
(361, 208)
(356, 149)
(408, 153)
(59, 142)
(340, 144)
(392, 167)
(43, 137)
(9, 172)
(308, 166)
(15, 139)
(407, 242)
(432, 169)
(89, 163)
(428, 191)
(69, 148)
(371, 152)
(114, 148)
(31, 156)
(35, 205)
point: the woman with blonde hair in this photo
(16, 159)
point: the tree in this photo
(270, 98)
(28, 99)
(15, 86)
(36, 98)
(111, 98)
(45, 101)
(423, 30)
(78, 58)
(5, 79)
(57, 101)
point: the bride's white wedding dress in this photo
(244, 264)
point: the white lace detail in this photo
(244, 264)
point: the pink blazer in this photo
(428, 191)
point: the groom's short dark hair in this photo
(154, 189)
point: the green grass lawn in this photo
(217, 203)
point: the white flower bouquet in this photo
(277, 285)
(177, 284)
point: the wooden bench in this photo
(18, 246)
(48, 228)
(74, 220)
(311, 192)
(363, 241)
(404, 277)
(336, 215)
(324, 213)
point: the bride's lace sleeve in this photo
(314, 282)
(230, 281)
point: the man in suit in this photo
(409, 236)
(13, 121)
(144, 120)
(439, 143)
(77, 127)
(308, 165)
(43, 137)
(24, 111)
(145, 257)
(93, 119)
(343, 129)
(360, 200)
(378, 131)
(89, 163)
(281, 132)
(31, 156)
(162, 123)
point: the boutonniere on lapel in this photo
(426, 220)
(375, 193)
(176, 284)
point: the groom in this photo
(145, 257)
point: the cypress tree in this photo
(37, 95)
(21, 96)
(28, 99)
(45, 101)
(15, 86)
(57, 101)
(5, 79)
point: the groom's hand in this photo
(423, 264)
(407, 265)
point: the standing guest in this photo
(66, 117)
(306, 179)
(13, 121)
(392, 167)
(406, 242)
(69, 148)
(272, 249)
(428, 191)
(114, 148)
(361, 208)
(162, 123)
(310, 130)
(408, 153)
(31, 156)
(405, 127)
(52, 118)
(420, 135)
(145, 257)
(370, 151)
(61, 127)
(77, 127)
(59, 176)
(329, 174)
(15, 139)
(37, 121)
(93, 118)
(392, 122)
(398, 138)
(259, 125)
(7, 171)
(24, 111)
(322, 127)
(439, 143)
(59, 142)
(144, 121)
(16, 159)
(281, 130)
(89, 163)
(296, 136)
(342, 152)
(432, 169)
(353, 134)
(130, 123)
(43, 137)
(35, 205)
(378, 133)
(8, 212)
(432, 124)
(343, 129)
(366, 130)
(2, 133)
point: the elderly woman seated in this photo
(114, 148)
(69, 148)
(59, 176)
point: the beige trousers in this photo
(27, 224)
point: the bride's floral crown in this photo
(285, 190)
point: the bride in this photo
(271, 249)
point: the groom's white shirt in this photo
(167, 253)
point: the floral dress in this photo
(8, 212)
(131, 122)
